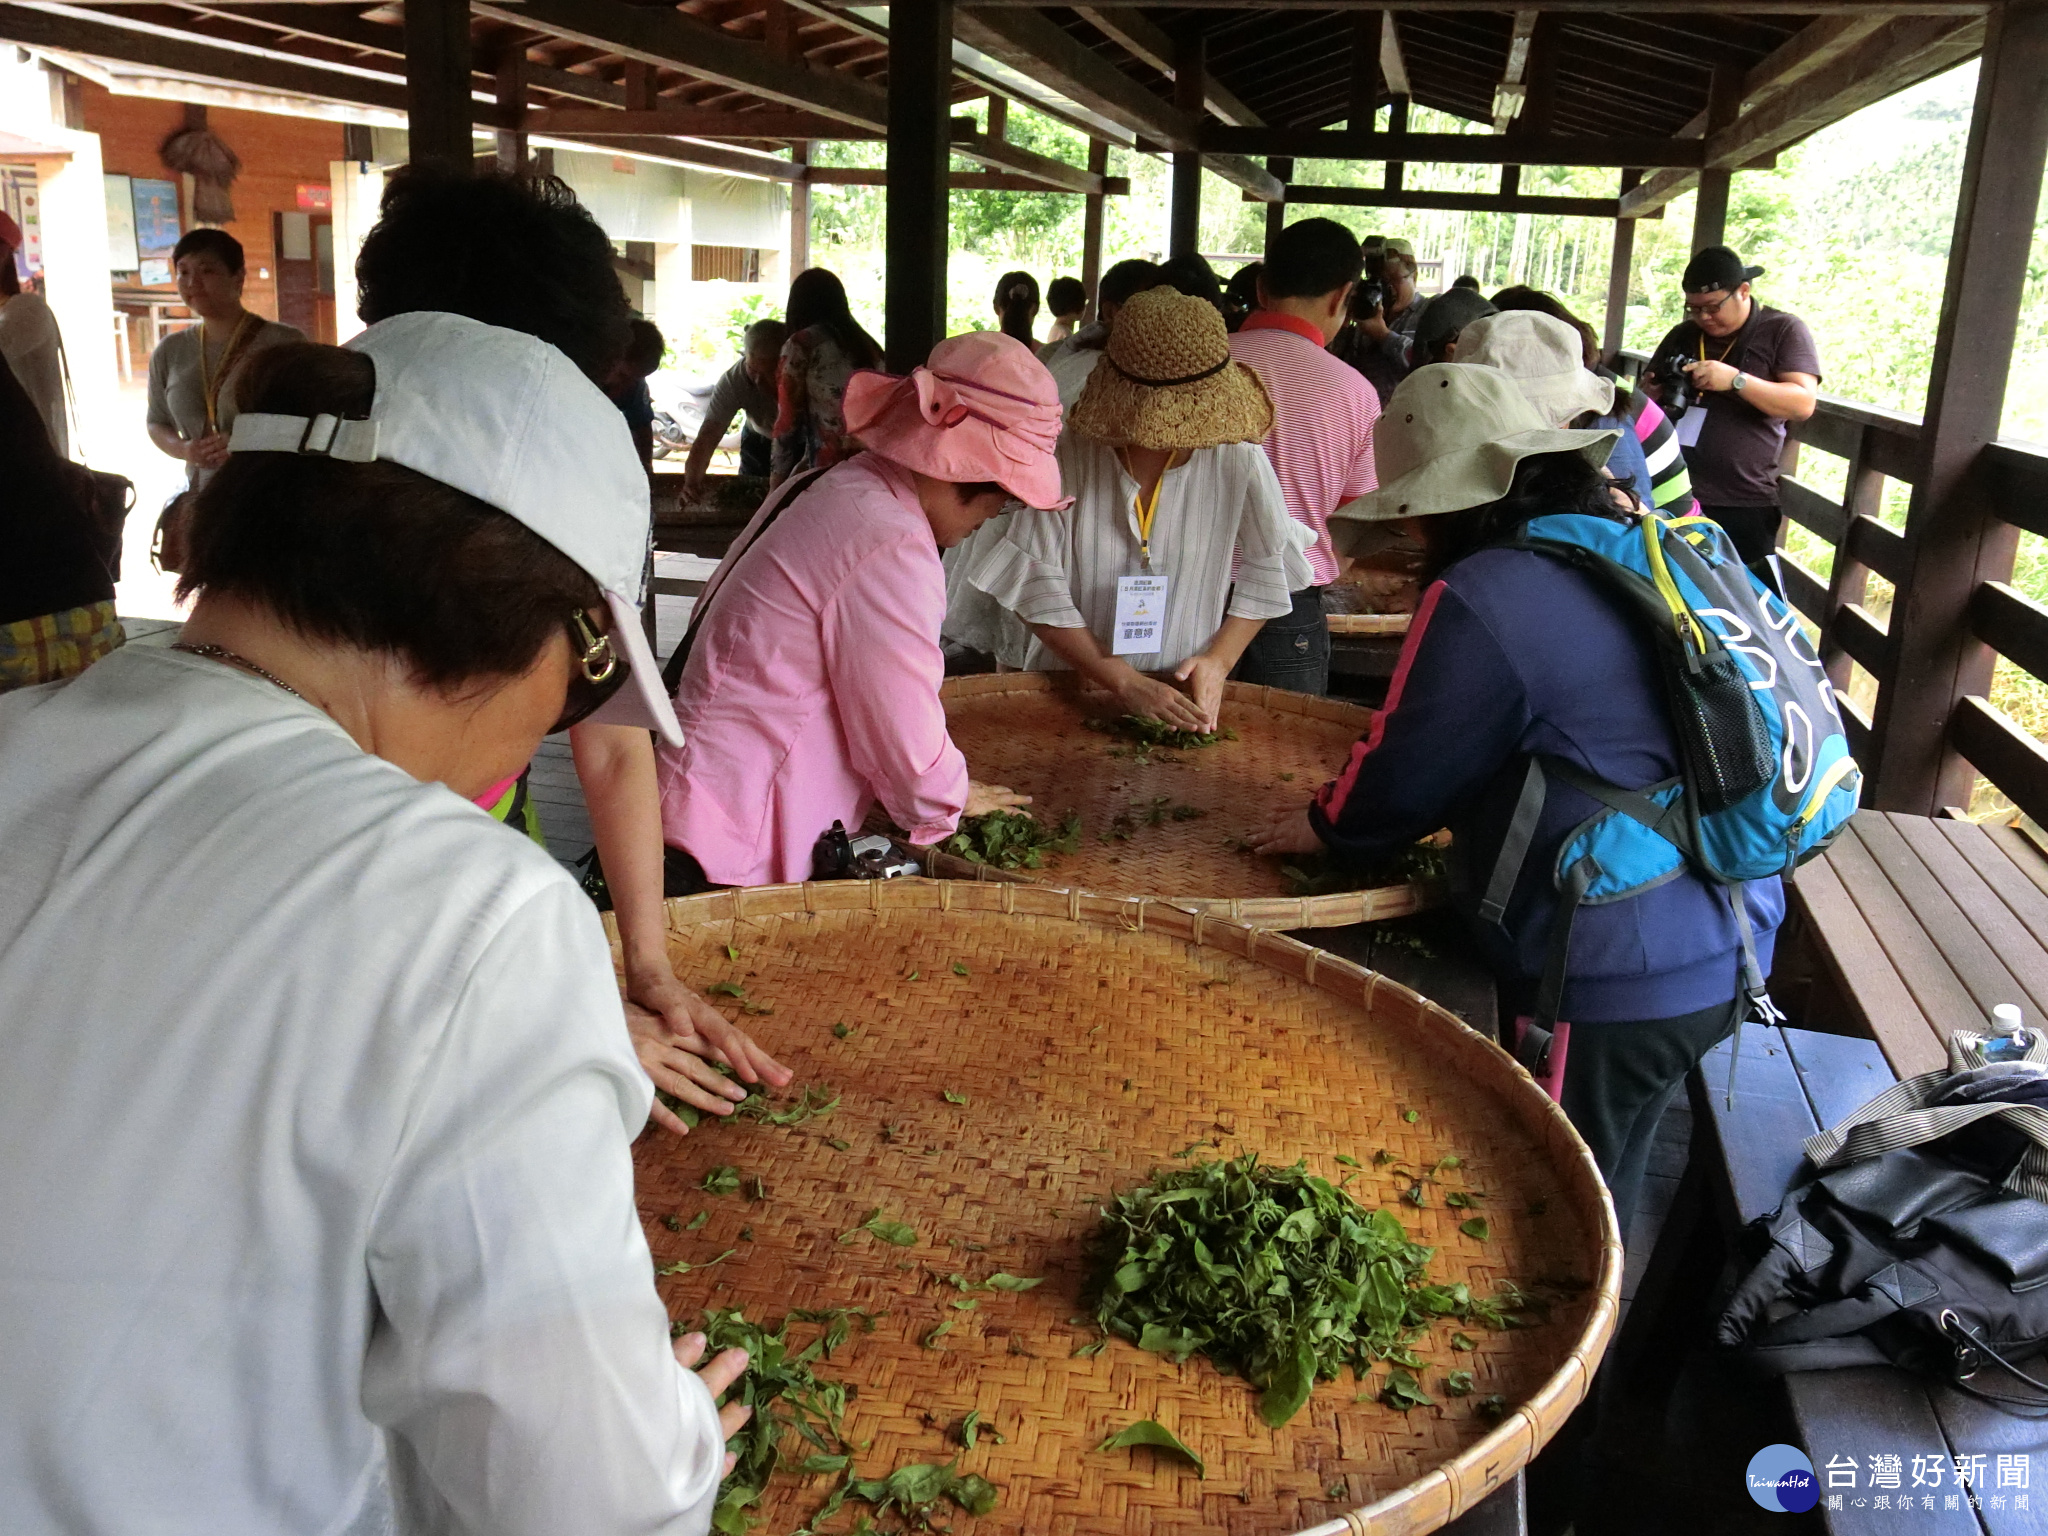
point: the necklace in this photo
(222, 653)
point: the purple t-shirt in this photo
(1734, 462)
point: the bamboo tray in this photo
(1094, 1039)
(1026, 730)
(1369, 623)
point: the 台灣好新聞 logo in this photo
(1781, 1478)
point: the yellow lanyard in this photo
(1145, 512)
(1724, 351)
(209, 387)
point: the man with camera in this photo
(1730, 375)
(1385, 309)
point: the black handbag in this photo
(1923, 1240)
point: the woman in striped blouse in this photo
(1178, 547)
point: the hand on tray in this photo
(983, 798)
(1149, 697)
(720, 1374)
(1205, 676)
(1286, 831)
(677, 1036)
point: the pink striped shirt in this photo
(1324, 411)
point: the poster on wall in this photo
(21, 199)
(156, 227)
(122, 254)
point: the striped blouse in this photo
(1670, 486)
(1061, 568)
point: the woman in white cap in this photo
(319, 1097)
(1513, 654)
(1178, 546)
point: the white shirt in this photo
(314, 1144)
(1221, 506)
(30, 344)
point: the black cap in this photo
(1717, 270)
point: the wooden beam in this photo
(1840, 65)
(740, 162)
(512, 127)
(1393, 62)
(1710, 211)
(1646, 8)
(958, 181)
(1955, 539)
(663, 36)
(1184, 214)
(437, 86)
(1149, 45)
(693, 123)
(1032, 43)
(1362, 105)
(1620, 274)
(1091, 228)
(1539, 77)
(1259, 184)
(1055, 175)
(779, 31)
(920, 129)
(1513, 88)
(1456, 202)
(1276, 212)
(799, 212)
(1456, 148)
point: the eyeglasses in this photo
(598, 672)
(1701, 311)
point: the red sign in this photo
(317, 197)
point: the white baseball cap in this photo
(510, 420)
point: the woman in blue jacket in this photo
(1512, 653)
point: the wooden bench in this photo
(1789, 1084)
(1911, 927)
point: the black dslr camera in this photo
(871, 857)
(1371, 297)
(1680, 393)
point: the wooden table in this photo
(1913, 927)
(1791, 1083)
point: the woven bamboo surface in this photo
(1369, 623)
(1094, 1039)
(1027, 730)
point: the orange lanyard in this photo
(1145, 511)
(210, 386)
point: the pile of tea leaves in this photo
(1012, 839)
(1273, 1273)
(1148, 732)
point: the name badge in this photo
(1691, 424)
(1140, 615)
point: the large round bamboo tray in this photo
(1027, 730)
(1093, 1040)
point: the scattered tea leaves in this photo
(1091, 1349)
(1463, 1199)
(1158, 1436)
(1148, 732)
(722, 1181)
(811, 1102)
(1404, 1392)
(1349, 1162)
(1411, 1115)
(931, 1340)
(913, 976)
(1002, 1282)
(673, 1223)
(837, 1145)
(1476, 1228)
(842, 1030)
(901, 1234)
(959, 969)
(1492, 1409)
(1012, 840)
(728, 989)
(953, 1097)
(683, 1266)
(1457, 1384)
(915, 1492)
(1462, 1341)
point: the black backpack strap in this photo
(1550, 990)
(1669, 822)
(1514, 849)
(787, 492)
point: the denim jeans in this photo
(755, 448)
(1292, 651)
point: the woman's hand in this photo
(719, 1376)
(678, 1036)
(983, 798)
(1286, 831)
(1152, 699)
(208, 452)
(1204, 676)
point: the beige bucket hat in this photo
(1449, 439)
(1543, 355)
(1167, 380)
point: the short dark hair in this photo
(217, 243)
(374, 555)
(1543, 483)
(1467, 281)
(1192, 275)
(1242, 291)
(645, 347)
(1065, 296)
(768, 335)
(1310, 258)
(522, 254)
(1521, 296)
(1127, 279)
(1446, 316)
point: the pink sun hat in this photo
(981, 408)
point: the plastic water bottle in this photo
(2009, 1039)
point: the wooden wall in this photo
(279, 154)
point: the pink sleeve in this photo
(882, 656)
(1363, 476)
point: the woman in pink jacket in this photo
(812, 685)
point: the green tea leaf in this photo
(673, 1223)
(959, 969)
(697, 1221)
(954, 1098)
(1002, 1282)
(842, 1030)
(722, 1181)
(1293, 1379)
(1461, 1199)
(732, 952)
(913, 976)
(1492, 1409)
(1404, 1392)
(1349, 1162)
(1089, 1350)
(817, 1464)
(1476, 1227)
(973, 1493)
(837, 1145)
(727, 989)
(682, 1267)
(1457, 1384)
(1148, 1432)
(1412, 1115)
(931, 1340)
(1462, 1341)
(901, 1234)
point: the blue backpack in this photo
(1767, 780)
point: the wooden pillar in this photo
(800, 209)
(998, 117)
(512, 112)
(1184, 226)
(1365, 71)
(1397, 122)
(1091, 229)
(639, 86)
(920, 136)
(437, 66)
(1710, 211)
(1953, 540)
(1282, 166)
(1620, 274)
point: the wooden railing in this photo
(1879, 446)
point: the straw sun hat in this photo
(1450, 438)
(1168, 380)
